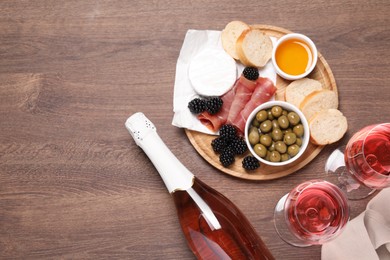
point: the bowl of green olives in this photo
(277, 133)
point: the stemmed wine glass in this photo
(363, 166)
(313, 213)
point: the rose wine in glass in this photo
(364, 165)
(313, 213)
(212, 225)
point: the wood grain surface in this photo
(73, 184)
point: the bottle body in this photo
(236, 239)
(213, 226)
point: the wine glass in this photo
(363, 166)
(313, 213)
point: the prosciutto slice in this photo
(214, 122)
(263, 92)
(243, 92)
(238, 103)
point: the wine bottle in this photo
(213, 226)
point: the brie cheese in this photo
(212, 72)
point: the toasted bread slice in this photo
(254, 48)
(327, 126)
(230, 35)
(297, 90)
(317, 101)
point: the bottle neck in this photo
(174, 174)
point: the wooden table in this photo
(74, 185)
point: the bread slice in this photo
(230, 35)
(297, 90)
(254, 48)
(327, 126)
(317, 101)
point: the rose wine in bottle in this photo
(213, 226)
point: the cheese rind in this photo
(212, 72)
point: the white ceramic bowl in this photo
(289, 107)
(308, 42)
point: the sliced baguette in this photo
(297, 90)
(254, 48)
(317, 101)
(327, 126)
(230, 35)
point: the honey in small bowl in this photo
(294, 56)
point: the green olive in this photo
(266, 140)
(267, 157)
(283, 122)
(270, 115)
(253, 128)
(261, 116)
(298, 130)
(276, 111)
(275, 124)
(298, 141)
(274, 156)
(284, 157)
(266, 126)
(271, 147)
(293, 118)
(285, 112)
(289, 138)
(281, 147)
(255, 122)
(260, 150)
(277, 134)
(293, 150)
(288, 130)
(254, 137)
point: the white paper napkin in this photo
(365, 237)
(196, 41)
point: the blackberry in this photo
(226, 157)
(239, 146)
(197, 105)
(219, 144)
(250, 163)
(229, 132)
(213, 105)
(251, 73)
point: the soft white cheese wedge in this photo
(212, 72)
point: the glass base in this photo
(282, 228)
(338, 175)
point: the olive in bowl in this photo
(277, 133)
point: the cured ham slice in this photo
(243, 92)
(214, 122)
(263, 92)
(238, 103)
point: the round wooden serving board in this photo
(202, 142)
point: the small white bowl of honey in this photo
(294, 56)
